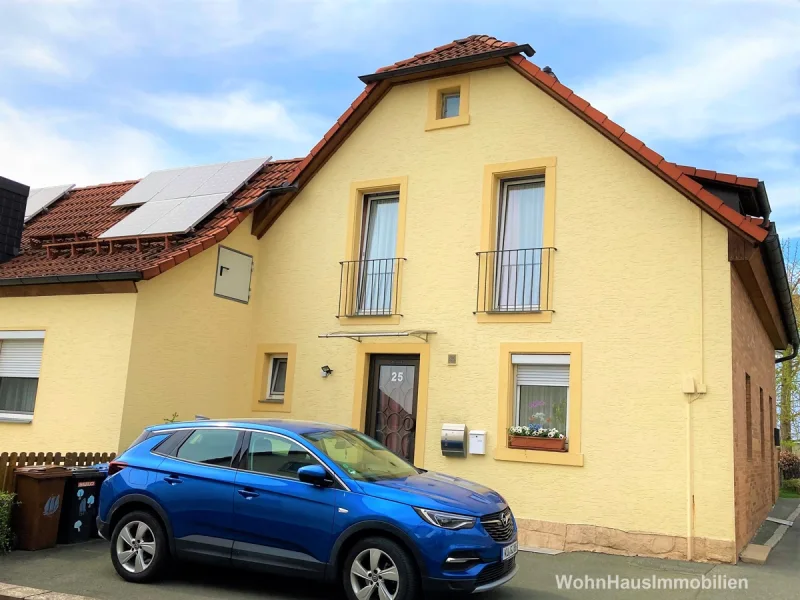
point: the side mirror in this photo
(315, 475)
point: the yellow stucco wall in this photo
(192, 352)
(630, 286)
(84, 367)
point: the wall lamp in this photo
(325, 371)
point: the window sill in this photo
(448, 122)
(370, 320)
(272, 405)
(537, 317)
(11, 417)
(544, 457)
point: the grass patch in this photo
(788, 493)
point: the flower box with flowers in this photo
(536, 438)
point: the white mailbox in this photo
(477, 441)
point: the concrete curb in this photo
(14, 592)
(757, 554)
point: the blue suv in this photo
(306, 499)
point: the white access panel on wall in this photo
(234, 271)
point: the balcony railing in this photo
(514, 281)
(369, 288)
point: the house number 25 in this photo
(397, 376)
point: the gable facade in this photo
(641, 300)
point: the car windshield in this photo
(361, 457)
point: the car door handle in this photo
(248, 494)
(173, 479)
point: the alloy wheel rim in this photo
(373, 574)
(136, 547)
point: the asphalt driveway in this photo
(85, 569)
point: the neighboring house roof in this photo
(62, 245)
(478, 51)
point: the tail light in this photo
(115, 467)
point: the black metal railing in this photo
(514, 281)
(369, 287)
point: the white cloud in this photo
(707, 87)
(42, 148)
(240, 113)
(30, 54)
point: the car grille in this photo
(493, 524)
(495, 571)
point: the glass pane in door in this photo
(395, 419)
(378, 252)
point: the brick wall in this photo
(755, 457)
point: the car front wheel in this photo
(138, 547)
(378, 568)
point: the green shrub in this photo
(792, 485)
(6, 535)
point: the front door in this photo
(392, 402)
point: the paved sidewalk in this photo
(86, 570)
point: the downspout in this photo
(689, 401)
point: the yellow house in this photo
(471, 248)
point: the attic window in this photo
(448, 102)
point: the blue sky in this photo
(94, 91)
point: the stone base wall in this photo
(591, 538)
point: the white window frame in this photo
(13, 416)
(364, 244)
(502, 208)
(538, 360)
(444, 96)
(273, 396)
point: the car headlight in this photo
(445, 520)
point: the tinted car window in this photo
(275, 455)
(210, 446)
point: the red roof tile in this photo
(88, 211)
(721, 177)
(473, 45)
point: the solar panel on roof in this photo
(140, 219)
(41, 198)
(175, 201)
(148, 187)
(185, 184)
(187, 213)
(230, 177)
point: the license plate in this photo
(510, 550)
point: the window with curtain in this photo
(20, 361)
(520, 237)
(378, 248)
(541, 390)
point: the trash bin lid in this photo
(86, 473)
(42, 471)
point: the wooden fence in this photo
(9, 462)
